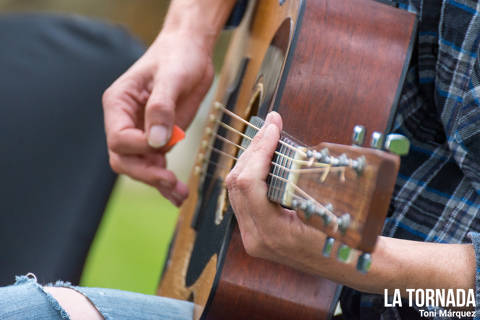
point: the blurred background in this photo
(130, 246)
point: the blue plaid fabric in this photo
(437, 195)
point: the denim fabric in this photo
(27, 300)
(122, 305)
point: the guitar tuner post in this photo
(309, 210)
(359, 164)
(344, 222)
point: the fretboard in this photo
(282, 163)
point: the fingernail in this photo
(158, 136)
(267, 119)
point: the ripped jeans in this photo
(26, 299)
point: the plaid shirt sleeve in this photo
(437, 194)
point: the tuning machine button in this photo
(364, 262)
(343, 253)
(328, 246)
(358, 135)
(377, 140)
(397, 144)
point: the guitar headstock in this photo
(343, 191)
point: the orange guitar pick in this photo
(177, 136)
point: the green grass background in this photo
(131, 244)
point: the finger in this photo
(262, 148)
(275, 118)
(160, 111)
(176, 195)
(129, 141)
(189, 101)
(149, 169)
(123, 122)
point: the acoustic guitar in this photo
(334, 70)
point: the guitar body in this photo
(325, 66)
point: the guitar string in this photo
(335, 221)
(323, 166)
(334, 217)
(326, 168)
(212, 175)
(308, 163)
(295, 186)
(302, 162)
(223, 109)
(271, 187)
(219, 106)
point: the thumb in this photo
(263, 148)
(160, 116)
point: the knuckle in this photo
(259, 147)
(114, 142)
(161, 109)
(270, 243)
(254, 247)
(115, 164)
(251, 246)
(107, 97)
(165, 181)
(231, 179)
(243, 182)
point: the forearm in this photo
(201, 20)
(403, 264)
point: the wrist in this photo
(197, 21)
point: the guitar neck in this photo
(338, 189)
(283, 163)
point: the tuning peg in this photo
(359, 164)
(309, 210)
(328, 246)
(344, 222)
(397, 143)
(343, 253)
(326, 219)
(358, 135)
(303, 205)
(294, 204)
(364, 262)
(377, 140)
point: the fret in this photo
(281, 178)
